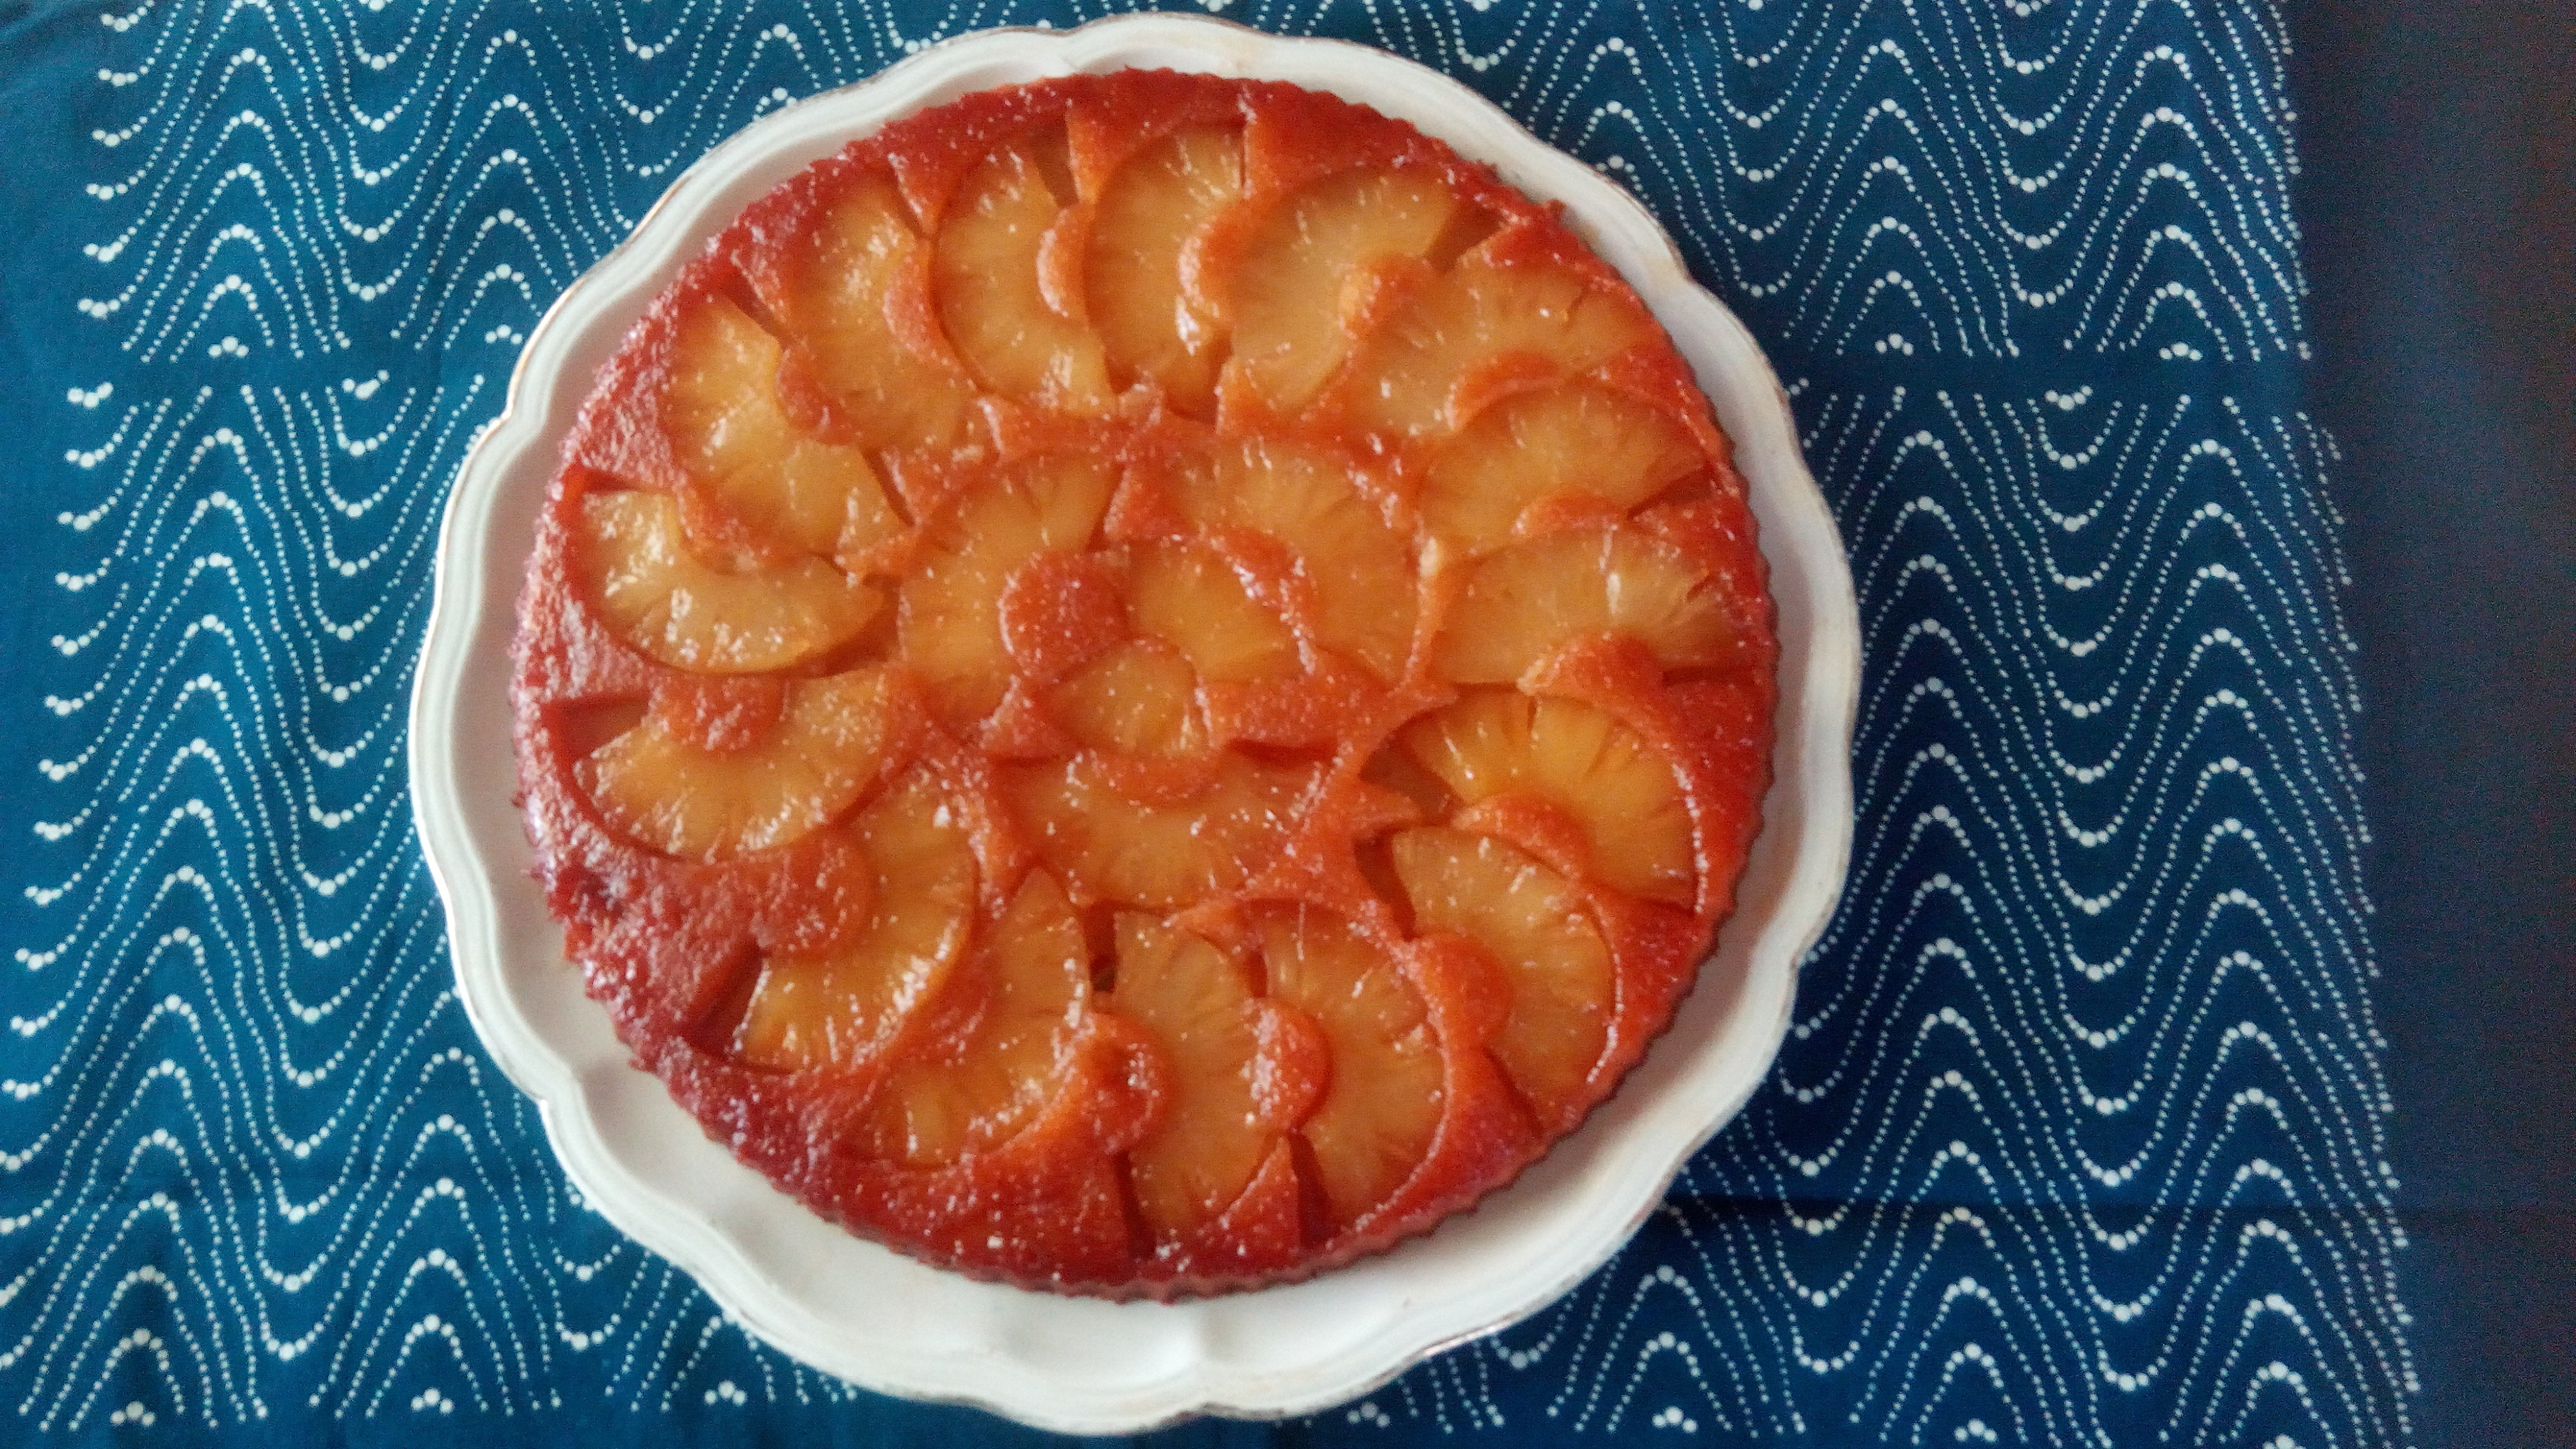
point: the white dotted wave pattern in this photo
(2078, 1138)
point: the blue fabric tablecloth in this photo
(2079, 1135)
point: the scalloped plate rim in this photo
(996, 1351)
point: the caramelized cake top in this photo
(1143, 683)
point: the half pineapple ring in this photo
(1256, 618)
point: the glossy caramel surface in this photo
(1144, 683)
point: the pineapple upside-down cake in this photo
(1143, 684)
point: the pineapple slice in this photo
(1163, 855)
(1060, 611)
(1577, 758)
(833, 299)
(1521, 604)
(1199, 1006)
(1029, 984)
(1132, 277)
(1288, 283)
(1543, 443)
(653, 592)
(1534, 923)
(950, 618)
(990, 295)
(1137, 698)
(1378, 1115)
(840, 1008)
(653, 785)
(1483, 311)
(1362, 578)
(730, 432)
(1191, 600)
(1393, 769)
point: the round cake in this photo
(1143, 684)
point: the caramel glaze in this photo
(672, 947)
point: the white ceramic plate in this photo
(881, 1320)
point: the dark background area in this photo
(2438, 198)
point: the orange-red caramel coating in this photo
(1114, 890)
